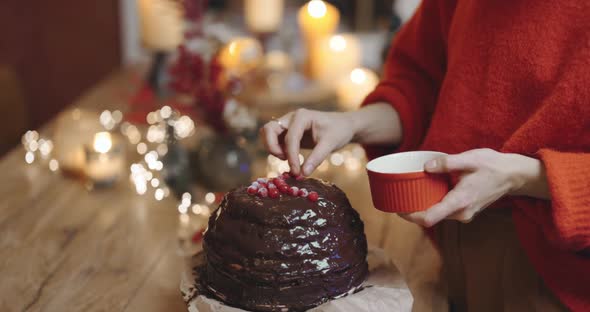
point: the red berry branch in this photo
(192, 75)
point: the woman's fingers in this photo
(322, 149)
(300, 122)
(453, 202)
(270, 134)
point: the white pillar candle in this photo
(162, 24)
(263, 16)
(352, 90)
(317, 19)
(335, 57)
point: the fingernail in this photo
(431, 164)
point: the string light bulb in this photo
(102, 142)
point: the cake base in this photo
(384, 290)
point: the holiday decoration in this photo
(73, 130)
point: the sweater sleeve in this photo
(413, 72)
(568, 175)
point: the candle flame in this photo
(102, 142)
(316, 8)
(337, 43)
(232, 47)
(358, 76)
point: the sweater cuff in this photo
(409, 121)
(568, 175)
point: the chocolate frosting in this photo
(287, 253)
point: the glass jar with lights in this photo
(105, 160)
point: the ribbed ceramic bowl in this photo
(400, 185)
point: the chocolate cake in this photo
(287, 244)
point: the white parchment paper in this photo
(387, 291)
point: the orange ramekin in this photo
(400, 185)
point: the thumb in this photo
(457, 162)
(436, 165)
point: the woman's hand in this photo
(322, 131)
(325, 132)
(485, 176)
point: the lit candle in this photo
(335, 57)
(162, 24)
(74, 129)
(317, 19)
(263, 16)
(353, 89)
(240, 55)
(104, 160)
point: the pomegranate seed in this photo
(252, 190)
(262, 180)
(313, 196)
(294, 190)
(284, 188)
(286, 175)
(302, 193)
(263, 192)
(273, 193)
(271, 186)
(255, 184)
(278, 181)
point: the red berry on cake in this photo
(283, 188)
(262, 180)
(263, 192)
(286, 175)
(271, 186)
(278, 181)
(294, 191)
(273, 193)
(255, 184)
(313, 196)
(252, 190)
(302, 193)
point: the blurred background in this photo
(53, 51)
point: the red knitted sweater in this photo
(513, 76)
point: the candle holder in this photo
(105, 161)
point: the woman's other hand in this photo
(484, 177)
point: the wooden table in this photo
(64, 248)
